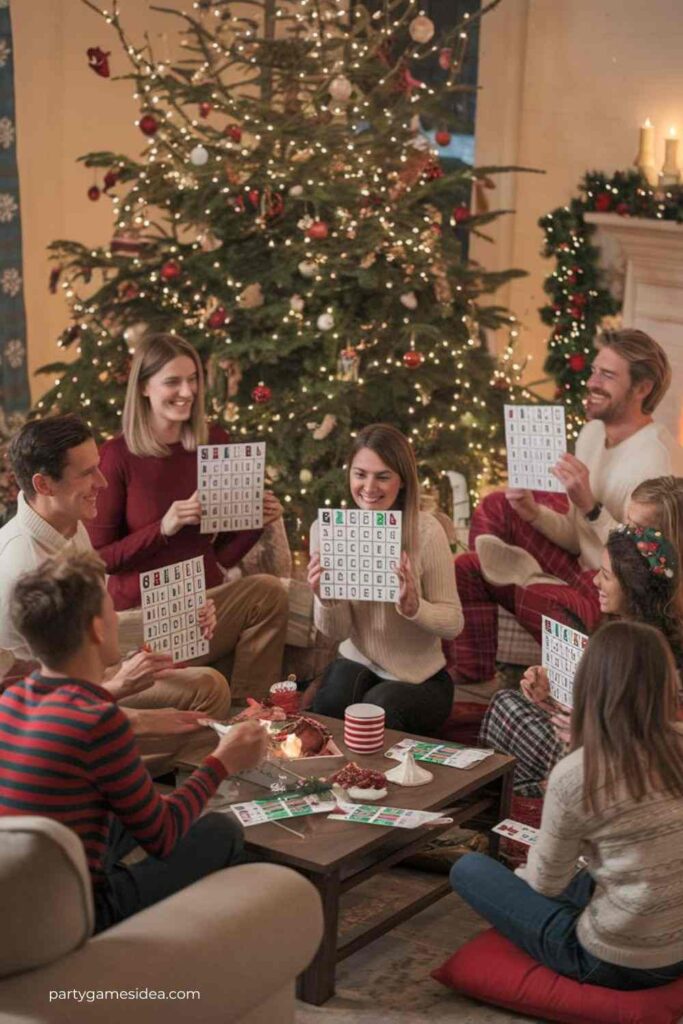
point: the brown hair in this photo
(625, 699)
(397, 453)
(649, 597)
(646, 361)
(53, 605)
(151, 355)
(42, 446)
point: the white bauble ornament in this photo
(307, 269)
(409, 300)
(296, 304)
(296, 191)
(199, 156)
(325, 322)
(421, 29)
(305, 476)
(341, 89)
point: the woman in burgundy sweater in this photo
(148, 516)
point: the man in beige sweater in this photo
(538, 560)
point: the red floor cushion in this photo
(521, 984)
(463, 723)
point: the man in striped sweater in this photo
(69, 752)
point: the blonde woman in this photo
(148, 516)
(391, 653)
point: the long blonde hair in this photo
(625, 700)
(665, 494)
(396, 452)
(151, 355)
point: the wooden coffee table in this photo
(336, 856)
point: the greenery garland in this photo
(579, 303)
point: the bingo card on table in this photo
(171, 597)
(359, 554)
(535, 437)
(562, 650)
(230, 485)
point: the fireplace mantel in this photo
(653, 291)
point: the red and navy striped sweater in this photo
(68, 752)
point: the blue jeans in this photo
(545, 927)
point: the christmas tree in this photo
(291, 219)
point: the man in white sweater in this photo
(56, 464)
(535, 560)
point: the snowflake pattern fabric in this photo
(14, 390)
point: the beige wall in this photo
(565, 85)
(63, 111)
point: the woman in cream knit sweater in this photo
(391, 653)
(616, 800)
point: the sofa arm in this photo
(237, 937)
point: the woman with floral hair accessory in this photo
(638, 581)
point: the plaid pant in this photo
(576, 604)
(513, 725)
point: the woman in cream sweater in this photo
(616, 800)
(391, 653)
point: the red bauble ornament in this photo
(110, 179)
(148, 124)
(412, 359)
(445, 58)
(443, 138)
(234, 132)
(262, 394)
(576, 312)
(318, 230)
(603, 202)
(433, 171)
(461, 213)
(623, 209)
(217, 318)
(170, 271)
(94, 193)
(205, 109)
(276, 205)
(98, 60)
(253, 197)
(579, 299)
(577, 362)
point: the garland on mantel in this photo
(579, 303)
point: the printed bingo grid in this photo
(171, 597)
(562, 650)
(359, 554)
(535, 437)
(230, 485)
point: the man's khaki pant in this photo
(251, 625)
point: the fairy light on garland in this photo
(579, 303)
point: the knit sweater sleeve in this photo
(560, 527)
(122, 779)
(119, 549)
(552, 860)
(439, 611)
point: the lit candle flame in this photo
(648, 123)
(291, 746)
(672, 132)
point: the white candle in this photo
(645, 160)
(671, 174)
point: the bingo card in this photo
(359, 554)
(171, 597)
(562, 650)
(230, 485)
(535, 437)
